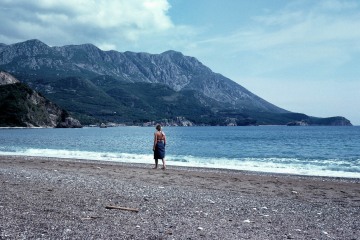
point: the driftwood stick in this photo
(122, 208)
(89, 218)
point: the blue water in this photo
(317, 151)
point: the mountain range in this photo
(135, 88)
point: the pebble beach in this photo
(50, 198)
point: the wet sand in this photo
(47, 198)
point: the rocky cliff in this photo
(6, 78)
(20, 106)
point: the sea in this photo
(301, 150)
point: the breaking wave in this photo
(311, 167)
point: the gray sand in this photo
(43, 198)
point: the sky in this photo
(301, 55)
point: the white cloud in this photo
(295, 38)
(106, 22)
(338, 5)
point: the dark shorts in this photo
(159, 152)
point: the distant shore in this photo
(48, 198)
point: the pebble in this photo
(289, 236)
(100, 189)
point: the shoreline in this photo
(66, 198)
(196, 168)
(187, 168)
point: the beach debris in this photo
(137, 226)
(294, 192)
(89, 218)
(297, 230)
(200, 228)
(264, 208)
(211, 201)
(122, 208)
(254, 208)
(326, 233)
(247, 221)
(264, 215)
(161, 187)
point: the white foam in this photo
(329, 167)
(85, 155)
(326, 168)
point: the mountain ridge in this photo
(42, 66)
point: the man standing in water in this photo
(159, 146)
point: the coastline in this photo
(66, 198)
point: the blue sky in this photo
(301, 55)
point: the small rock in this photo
(326, 233)
(289, 236)
(200, 228)
(137, 226)
(294, 192)
(247, 221)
